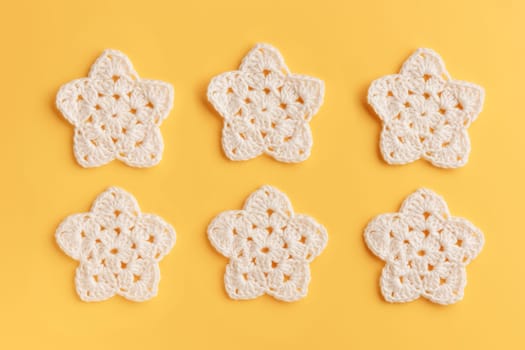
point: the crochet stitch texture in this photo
(425, 249)
(266, 109)
(269, 247)
(116, 114)
(118, 248)
(425, 112)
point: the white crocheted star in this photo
(425, 113)
(115, 113)
(425, 249)
(266, 108)
(269, 247)
(118, 248)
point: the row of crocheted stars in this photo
(267, 109)
(270, 248)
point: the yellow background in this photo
(343, 184)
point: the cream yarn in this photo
(266, 109)
(116, 114)
(269, 247)
(425, 112)
(118, 248)
(425, 250)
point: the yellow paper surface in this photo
(343, 184)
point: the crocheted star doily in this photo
(116, 114)
(425, 250)
(269, 247)
(266, 109)
(118, 248)
(425, 113)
